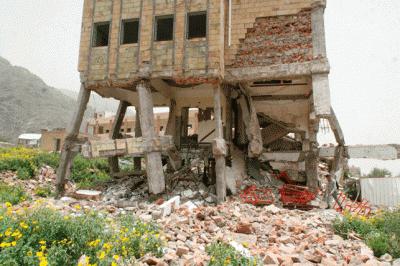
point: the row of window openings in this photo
(164, 30)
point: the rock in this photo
(244, 228)
(127, 204)
(87, 194)
(187, 194)
(271, 258)
(83, 260)
(313, 258)
(182, 250)
(285, 239)
(386, 257)
(396, 262)
(244, 238)
(328, 262)
(151, 261)
(272, 209)
(190, 206)
(169, 206)
(156, 214)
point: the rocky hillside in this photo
(27, 104)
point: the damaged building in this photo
(257, 71)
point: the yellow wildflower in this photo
(39, 254)
(42, 242)
(29, 253)
(8, 232)
(116, 257)
(77, 207)
(23, 225)
(102, 255)
(113, 263)
(8, 204)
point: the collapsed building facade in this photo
(257, 69)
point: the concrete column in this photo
(155, 175)
(68, 153)
(115, 133)
(137, 161)
(318, 28)
(219, 147)
(184, 122)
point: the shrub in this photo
(379, 172)
(25, 161)
(381, 231)
(44, 236)
(11, 194)
(43, 191)
(223, 254)
(89, 172)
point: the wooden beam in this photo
(115, 133)
(155, 175)
(68, 153)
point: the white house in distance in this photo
(30, 140)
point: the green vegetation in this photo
(381, 231)
(222, 254)
(379, 172)
(43, 191)
(12, 194)
(41, 236)
(89, 173)
(26, 162)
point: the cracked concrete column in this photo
(219, 146)
(154, 170)
(68, 153)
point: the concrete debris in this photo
(87, 194)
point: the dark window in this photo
(101, 130)
(197, 25)
(164, 28)
(122, 130)
(130, 31)
(100, 34)
(129, 130)
(107, 131)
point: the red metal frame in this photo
(257, 196)
(295, 195)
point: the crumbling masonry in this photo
(261, 65)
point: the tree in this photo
(379, 172)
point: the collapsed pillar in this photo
(68, 153)
(219, 147)
(155, 175)
(115, 133)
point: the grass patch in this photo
(381, 231)
(222, 254)
(89, 173)
(43, 191)
(42, 236)
(11, 194)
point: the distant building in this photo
(101, 124)
(52, 140)
(29, 140)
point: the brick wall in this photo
(245, 13)
(277, 40)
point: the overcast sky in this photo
(363, 42)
